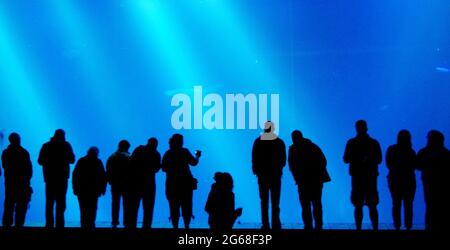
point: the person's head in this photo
(93, 152)
(297, 137)
(269, 127)
(176, 141)
(404, 138)
(361, 127)
(124, 146)
(435, 139)
(227, 181)
(152, 143)
(14, 139)
(60, 135)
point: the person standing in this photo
(434, 163)
(146, 160)
(308, 167)
(89, 183)
(268, 160)
(401, 160)
(116, 168)
(180, 183)
(18, 172)
(363, 154)
(55, 157)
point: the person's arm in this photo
(348, 153)
(71, 154)
(102, 178)
(42, 159)
(28, 167)
(282, 153)
(157, 163)
(109, 171)
(165, 162)
(255, 156)
(389, 157)
(75, 179)
(192, 160)
(378, 154)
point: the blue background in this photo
(106, 70)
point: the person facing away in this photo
(268, 160)
(434, 163)
(220, 204)
(401, 160)
(116, 168)
(308, 167)
(180, 183)
(145, 163)
(363, 154)
(18, 172)
(89, 183)
(55, 157)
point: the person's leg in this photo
(148, 204)
(275, 193)
(50, 199)
(373, 213)
(264, 197)
(317, 208)
(61, 203)
(21, 208)
(408, 206)
(396, 210)
(115, 206)
(186, 206)
(174, 207)
(357, 200)
(82, 205)
(372, 200)
(92, 211)
(8, 207)
(306, 208)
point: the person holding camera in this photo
(180, 182)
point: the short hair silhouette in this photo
(124, 145)
(361, 126)
(404, 138)
(60, 134)
(152, 142)
(14, 139)
(296, 136)
(176, 141)
(93, 151)
(435, 138)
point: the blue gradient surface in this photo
(107, 70)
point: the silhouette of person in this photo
(89, 183)
(55, 157)
(401, 160)
(220, 204)
(434, 163)
(268, 160)
(363, 154)
(145, 162)
(18, 171)
(116, 168)
(180, 183)
(308, 167)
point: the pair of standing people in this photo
(308, 166)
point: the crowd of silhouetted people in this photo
(132, 180)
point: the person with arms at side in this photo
(116, 168)
(363, 154)
(401, 160)
(268, 160)
(434, 163)
(146, 160)
(55, 157)
(18, 172)
(89, 183)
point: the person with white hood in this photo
(268, 160)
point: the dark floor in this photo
(196, 238)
